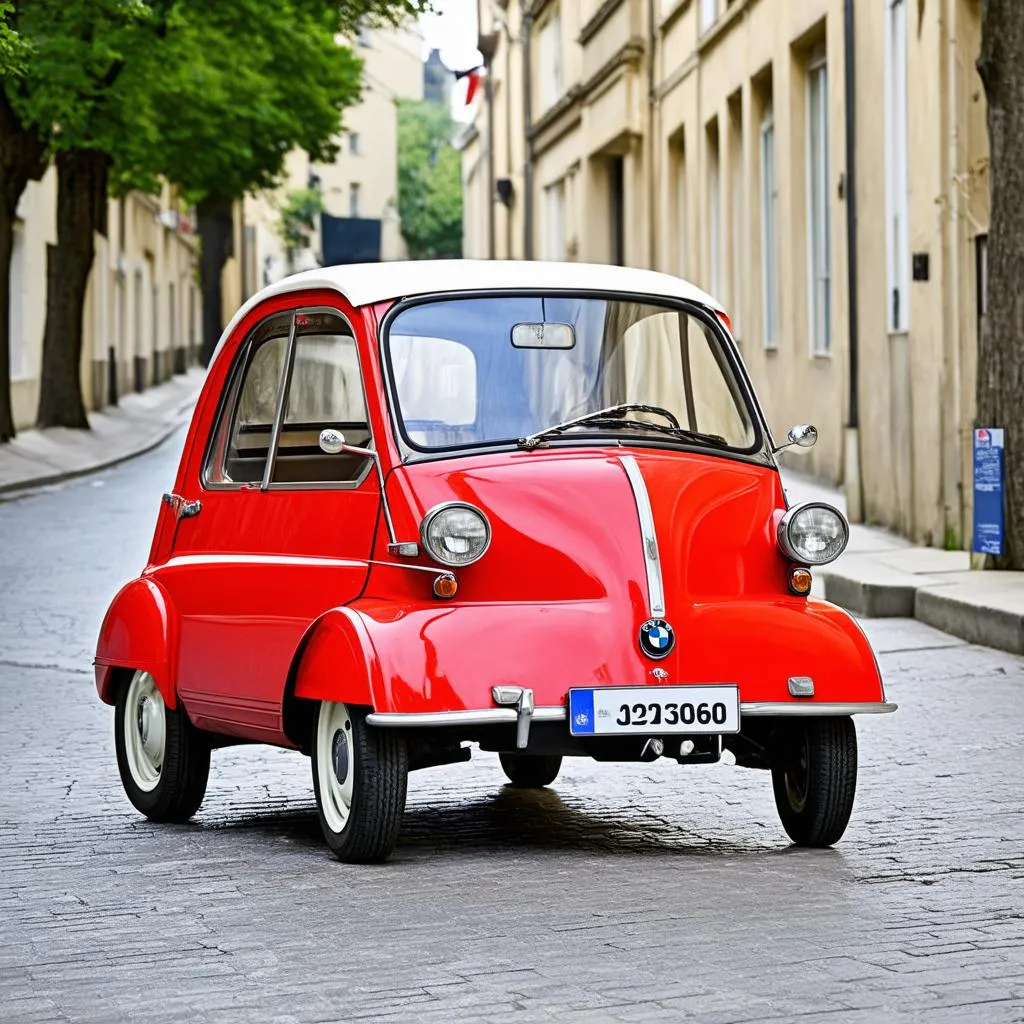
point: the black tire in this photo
(530, 771)
(376, 762)
(815, 780)
(180, 780)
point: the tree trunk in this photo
(81, 212)
(21, 161)
(1000, 386)
(216, 234)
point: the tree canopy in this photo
(429, 180)
(234, 88)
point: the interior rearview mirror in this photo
(543, 335)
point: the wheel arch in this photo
(335, 660)
(139, 633)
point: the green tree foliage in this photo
(13, 52)
(429, 181)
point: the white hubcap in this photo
(335, 763)
(145, 731)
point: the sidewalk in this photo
(139, 422)
(881, 574)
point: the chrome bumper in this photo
(520, 709)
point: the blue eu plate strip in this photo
(581, 712)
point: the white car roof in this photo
(367, 283)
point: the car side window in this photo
(324, 389)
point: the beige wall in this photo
(142, 306)
(673, 100)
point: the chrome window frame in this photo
(227, 406)
(759, 452)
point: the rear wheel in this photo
(164, 760)
(359, 776)
(530, 771)
(815, 780)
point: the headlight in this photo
(455, 534)
(813, 534)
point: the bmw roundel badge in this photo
(657, 638)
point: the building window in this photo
(818, 229)
(680, 211)
(554, 221)
(769, 234)
(897, 234)
(353, 200)
(708, 14)
(736, 220)
(552, 79)
(353, 143)
(714, 218)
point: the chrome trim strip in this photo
(486, 716)
(548, 713)
(652, 559)
(756, 708)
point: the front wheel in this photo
(530, 771)
(359, 776)
(815, 780)
(164, 760)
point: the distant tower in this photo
(437, 80)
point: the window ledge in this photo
(672, 16)
(709, 37)
(603, 13)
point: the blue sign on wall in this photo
(988, 491)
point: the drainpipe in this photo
(652, 146)
(851, 461)
(509, 42)
(527, 26)
(489, 96)
(954, 510)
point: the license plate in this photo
(654, 711)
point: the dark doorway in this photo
(616, 175)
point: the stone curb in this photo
(872, 600)
(13, 491)
(934, 604)
(990, 627)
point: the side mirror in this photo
(803, 435)
(332, 442)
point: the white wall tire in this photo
(359, 777)
(163, 760)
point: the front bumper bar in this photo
(525, 711)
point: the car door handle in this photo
(183, 509)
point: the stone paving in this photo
(622, 894)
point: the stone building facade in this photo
(784, 155)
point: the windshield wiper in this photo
(614, 417)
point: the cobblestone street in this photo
(624, 893)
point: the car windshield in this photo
(472, 371)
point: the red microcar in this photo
(532, 507)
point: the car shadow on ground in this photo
(534, 819)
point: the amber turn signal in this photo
(800, 581)
(446, 585)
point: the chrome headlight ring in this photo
(441, 545)
(813, 533)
